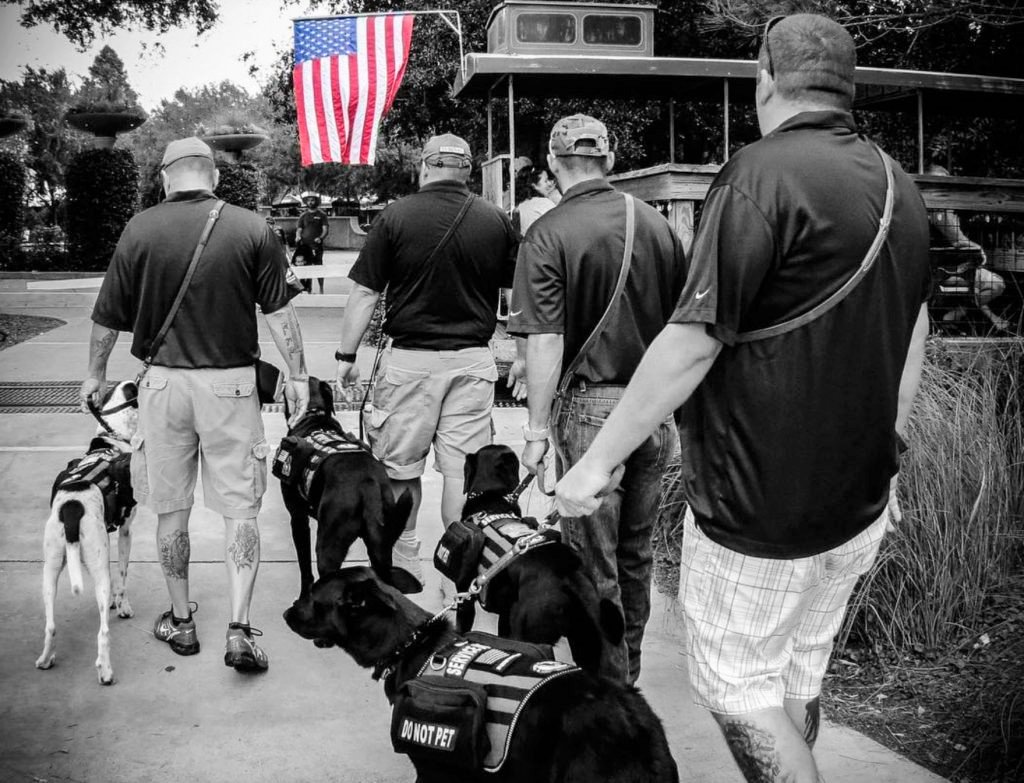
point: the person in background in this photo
(538, 193)
(790, 436)
(312, 229)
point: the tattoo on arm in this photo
(244, 550)
(812, 721)
(175, 551)
(754, 750)
(287, 335)
(100, 346)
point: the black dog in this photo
(577, 727)
(544, 593)
(350, 495)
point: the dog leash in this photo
(363, 408)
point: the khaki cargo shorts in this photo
(431, 398)
(192, 417)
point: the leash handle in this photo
(515, 493)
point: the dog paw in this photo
(45, 661)
(124, 609)
(323, 644)
(105, 673)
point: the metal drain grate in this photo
(62, 397)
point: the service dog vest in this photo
(507, 677)
(108, 470)
(297, 460)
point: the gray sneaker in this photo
(242, 652)
(180, 636)
(407, 557)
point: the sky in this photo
(188, 60)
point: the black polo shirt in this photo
(453, 304)
(244, 265)
(566, 273)
(789, 443)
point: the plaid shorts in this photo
(760, 630)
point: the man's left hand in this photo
(92, 389)
(297, 394)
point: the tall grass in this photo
(960, 489)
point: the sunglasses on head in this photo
(764, 42)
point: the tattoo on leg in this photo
(812, 721)
(175, 551)
(243, 548)
(754, 750)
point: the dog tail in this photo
(70, 514)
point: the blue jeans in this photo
(615, 541)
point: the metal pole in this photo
(511, 146)
(725, 116)
(671, 130)
(490, 125)
(920, 132)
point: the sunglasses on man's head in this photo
(764, 42)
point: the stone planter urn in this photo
(232, 145)
(105, 125)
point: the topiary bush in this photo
(239, 184)
(102, 196)
(12, 196)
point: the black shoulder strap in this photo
(154, 346)
(627, 257)
(425, 267)
(843, 291)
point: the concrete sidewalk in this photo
(314, 715)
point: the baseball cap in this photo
(447, 150)
(191, 147)
(579, 135)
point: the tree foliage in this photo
(12, 196)
(107, 87)
(103, 194)
(81, 21)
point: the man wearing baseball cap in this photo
(567, 273)
(198, 395)
(442, 253)
(796, 351)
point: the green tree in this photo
(80, 21)
(107, 88)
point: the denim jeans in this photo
(615, 541)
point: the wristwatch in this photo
(534, 435)
(341, 356)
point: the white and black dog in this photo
(91, 498)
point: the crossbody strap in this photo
(154, 346)
(426, 265)
(620, 284)
(865, 266)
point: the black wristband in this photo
(341, 356)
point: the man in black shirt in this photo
(790, 437)
(312, 229)
(442, 253)
(198, 397)
(566, 275)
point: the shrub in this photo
(12, 195)
(102, 195)
(239, 184)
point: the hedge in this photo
(12, 196)
(239, 184)
(102, 196)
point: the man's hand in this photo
(895, 512)
(517, 379)
(580, 491)
(533, 460)
(297, 394)
(94, 389)
(347, 375)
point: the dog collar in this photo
(99, 414)
(424, 633)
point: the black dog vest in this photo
(109, 470)
(464, 706)
(297, 460)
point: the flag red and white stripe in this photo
(346, 75)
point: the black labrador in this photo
(544, 593)
(351, 497)
(578, 727)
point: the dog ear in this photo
(510, 468)
(130, 391)
(327, 395)
(469, 472)
(403, 581)
(365, 595)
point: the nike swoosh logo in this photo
(701, 294)
(515, 313)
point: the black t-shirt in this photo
(789, 442)
(453, 306)
(244, 265)
(566, 272)
(311, 225)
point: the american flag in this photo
(347, 71)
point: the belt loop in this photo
(582, 386)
